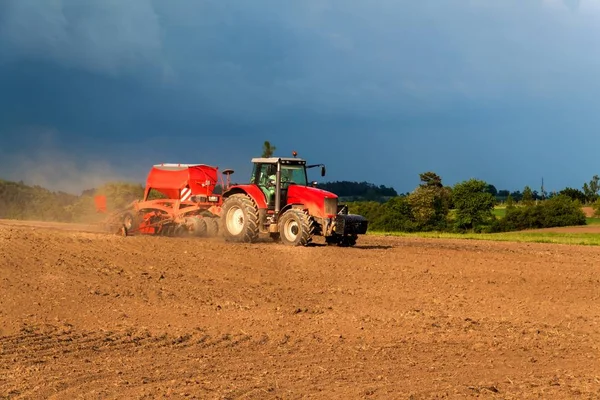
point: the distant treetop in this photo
(364, 190)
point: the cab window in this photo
(293, 174)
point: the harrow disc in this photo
(180, 230)
(198, 226)
(212, 227)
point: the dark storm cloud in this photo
(406, 86)
(108, 36)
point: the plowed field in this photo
(92, 315)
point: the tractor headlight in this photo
(213, 198)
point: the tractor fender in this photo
(298, 206)
(252, 191)
(322, 222)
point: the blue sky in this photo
(505, 90)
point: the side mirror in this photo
(323, 170)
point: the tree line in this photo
(467, 206)
(359, 190)
(431, 206)
(21, 201)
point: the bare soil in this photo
(92, 315)
(588, 211)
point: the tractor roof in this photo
(275, 160)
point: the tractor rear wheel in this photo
(296, 228)
(240, 219)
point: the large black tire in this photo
(296, 228)
(239, 219)
(212, 227)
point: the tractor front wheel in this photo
(295, 228)
(240, 219)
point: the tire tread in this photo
(250, 233)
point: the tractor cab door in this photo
(264, 176)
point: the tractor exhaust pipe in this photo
(277, 191)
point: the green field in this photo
(499, 212)
(588, 239)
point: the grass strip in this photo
(587, 239)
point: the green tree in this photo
(517, 195)
(574, 194)
(492, 190)
(510, 203)
(359, 190)
(268, 149)
(587, 192)
(396, 216)
(430, 179)
(473, 203)
(527, 196)
(371, 210)
(20, 201)
(591, 189)
(430, 202)
(595, 185)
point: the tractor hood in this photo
(319, 202)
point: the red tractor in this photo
(279, 201)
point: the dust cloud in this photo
(57, 170)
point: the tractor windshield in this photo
(293, 174)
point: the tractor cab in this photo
(274, 175)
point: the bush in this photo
(371, 210)
(396, 216)
(558, 211)
(562, 211)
